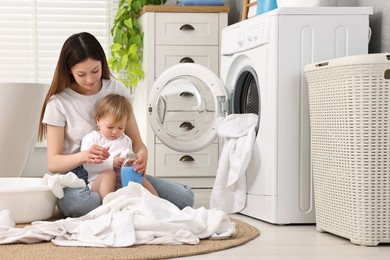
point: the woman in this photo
(81, 79)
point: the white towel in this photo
(57, 182)
(229, 191)
(10, 234)
(5, 219)
(131, 215)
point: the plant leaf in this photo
(132, 50)
(137, 40)
(121, 3)
(125, 58)
(119, 13)
(128, 23)
(137, 5)
(118, 66)
(116, 47)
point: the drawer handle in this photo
(187, 27)
(186, 94)
(187, 125)
(187, 158)
(187, 60)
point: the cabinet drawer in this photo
(187, 29)
(170, 163)
(167, 56)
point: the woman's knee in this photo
(78, 201)
(188, 198)
(180, 195)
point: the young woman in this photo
(81, 79)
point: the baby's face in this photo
(110, 128)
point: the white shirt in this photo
(117, 146)
(76, 112)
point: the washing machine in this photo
(262, 66)
(262, 61)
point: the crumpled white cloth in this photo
(239, 133)
(57, 182)
(10, 234)
(131, 215)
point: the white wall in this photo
(379, 22)
(37, 164)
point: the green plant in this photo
(126, 49)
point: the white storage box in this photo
(349, 101)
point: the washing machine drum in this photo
(186, 105)
(246, 96)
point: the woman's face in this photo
(88, 76)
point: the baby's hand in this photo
(118, 161)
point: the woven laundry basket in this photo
(349, 100)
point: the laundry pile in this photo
(57, 182)
(129, 216)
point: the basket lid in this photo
(374, 58)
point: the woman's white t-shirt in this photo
(76, 112)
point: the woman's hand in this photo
(141, 161)
(97, 154)
(138, 146)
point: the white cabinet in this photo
(173, 35)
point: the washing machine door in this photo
(186, 105)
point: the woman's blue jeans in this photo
(79, 201)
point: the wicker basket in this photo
(349, 100)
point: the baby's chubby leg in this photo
(104, 183)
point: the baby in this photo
(111, 118)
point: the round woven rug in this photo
(48, 250)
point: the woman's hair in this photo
(114, 105)
(77, 48)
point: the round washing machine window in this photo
(184, 107)
(246, 96)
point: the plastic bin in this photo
(349, 101)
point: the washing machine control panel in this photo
(246, 35)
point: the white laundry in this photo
(57, 182)
(10, 234)
(131, 215)
(229, 191)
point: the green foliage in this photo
(126, 49)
